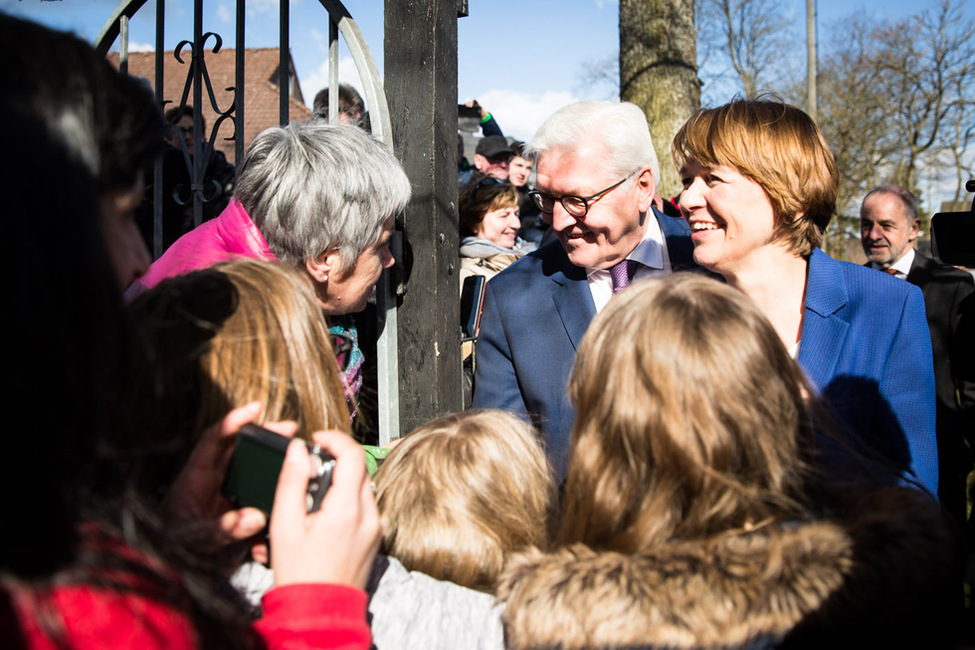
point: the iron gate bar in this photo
(340, 22)
(284, 61)
(157, 169)
(239, 83)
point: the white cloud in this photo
(312, 82)
(520, 114)
(256, 7)
(223, 13)
(140, 47)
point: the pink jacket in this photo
(230, 236)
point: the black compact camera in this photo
(252, 476)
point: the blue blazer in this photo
(865, 347)
(535, 314)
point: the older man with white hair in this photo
(596, 177)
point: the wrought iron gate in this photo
(193, 53)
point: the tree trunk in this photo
(658, 72)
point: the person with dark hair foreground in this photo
(760, 188)
(693, 514)
(86, 563)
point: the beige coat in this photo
(883, 577)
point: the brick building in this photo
(261, 108)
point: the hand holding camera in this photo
(195, 497)
(334, 544)
(252, 475)
(337, 543)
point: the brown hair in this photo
(685, 429)
(276, 348)
(779, 147)
(219, 338)
(462, 492)
(479, 197)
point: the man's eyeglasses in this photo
(577, 206)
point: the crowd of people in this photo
(690, 430)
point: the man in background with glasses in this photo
(596, 174)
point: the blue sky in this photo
(521, 59)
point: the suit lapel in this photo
(572, 297)
(823, 331)
(573, 300)
(576, 309)
(921, 268)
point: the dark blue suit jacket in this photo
(865, 347)
(535, 313)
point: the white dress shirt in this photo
(901, 266)
(652, 255)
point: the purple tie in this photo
(621, 274)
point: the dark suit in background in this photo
(949, 305)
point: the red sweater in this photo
(295, 617)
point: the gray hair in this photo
(621, 126)
(312, 188)
(908, 200)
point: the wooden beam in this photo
(421, 84)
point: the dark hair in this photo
(79, 126)
(63, 83)
(350, 101)
(480, 196)
(907, 198)
(175, 113)
(519, 148)
(67, 329)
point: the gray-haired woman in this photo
(316, 196)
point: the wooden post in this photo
(421, 84)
